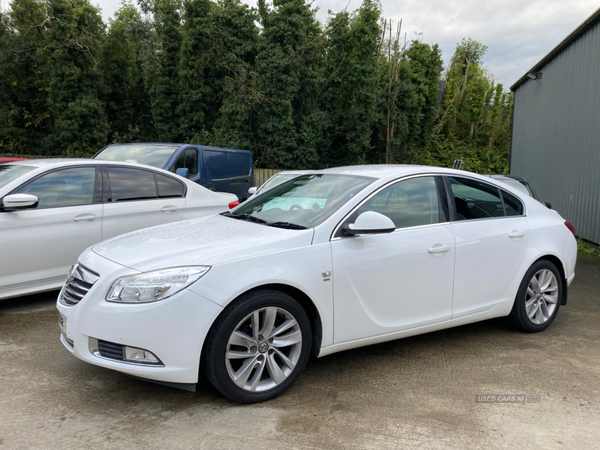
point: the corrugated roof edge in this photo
(587, 24)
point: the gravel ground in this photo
(418, 392)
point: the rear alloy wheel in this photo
(258, 347)
(537, 301)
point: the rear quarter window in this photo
(512, 204)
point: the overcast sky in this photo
(518, 33)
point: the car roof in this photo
(381, 171)
(509, 177)
(61, 162)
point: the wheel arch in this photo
(301, 297)
(307, 304)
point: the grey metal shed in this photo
(556, 128)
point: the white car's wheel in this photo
(258, 347)
(538, 298)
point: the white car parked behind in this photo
(52, 210)
(325, 262)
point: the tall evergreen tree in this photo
(75, 33)
(350, 91)
(287, 65)
(164, 80)
(199, 49)
(25, 115)
(125, 95)
(237, 77)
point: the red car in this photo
(3, 160)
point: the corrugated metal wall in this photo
(556, 134)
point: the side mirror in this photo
(183, 172)
(252, 190)
(19, 201)
(369, 222)
(548, 205)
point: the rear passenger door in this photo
(139, 198)
(491, 234)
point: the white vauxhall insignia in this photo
(327, 261)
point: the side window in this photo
(408, 203)
(217, 164)
(475, 200)
(239, 164)
(67, 187)
(188, 160)
(131, 184)
(168, 187)
(512, 204)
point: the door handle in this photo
(169, 209)
(515, 234)
(439, 248)
(84, 217)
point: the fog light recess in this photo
(138, 355)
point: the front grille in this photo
(110, 350)
(79, 281)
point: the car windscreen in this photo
(10, 172)
(277, 180)
(306, 200)
(155, 155)
(518, 185)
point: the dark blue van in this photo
(218, 169)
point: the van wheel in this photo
(537, 301)
(258, 347)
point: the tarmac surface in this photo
(416, 393)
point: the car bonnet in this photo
(204, 241)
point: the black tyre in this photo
(538, 298)
(258, 347)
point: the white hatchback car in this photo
(327, 261)
(52, 210)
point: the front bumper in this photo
(173, 329)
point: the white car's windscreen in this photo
(306, 200)
(10, 172)
(277, 180)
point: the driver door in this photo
(385, 283)
(40, 244)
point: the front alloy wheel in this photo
(264, 349)
(258, 347)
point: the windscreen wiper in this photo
(247, 217)
(291, 226)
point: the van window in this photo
(239, 164)
(217, 164)
(187, 160)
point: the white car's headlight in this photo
(153, 286)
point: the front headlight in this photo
(153, 286)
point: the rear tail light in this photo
(570, 227)
(234, 204)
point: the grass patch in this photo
(586, 248)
